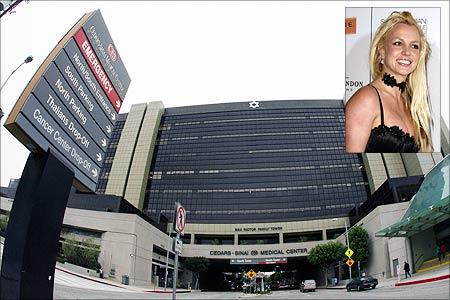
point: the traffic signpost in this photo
(349, 252)
(180, 219)
(178, 246)
(179, 224)
(350, 262)
(251, 274)
(65, 117)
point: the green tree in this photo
(197, 265)
(359, 243)
(326, 254)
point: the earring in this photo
(382, 61)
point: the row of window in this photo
(213, 157)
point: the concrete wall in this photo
(78, 269)
(129, 171)
(394, 165)
(398, 250)
(143, 153)
(424, 244)
(127, 242)
(379, 167)
(248, 251)
(382, 249)
(420, 163)
(444, 137)
(118, 175)
(376, 172)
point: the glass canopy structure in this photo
(430, 205)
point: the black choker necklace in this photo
(390, 80)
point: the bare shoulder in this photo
(361, 113)
(364, 98)
(364, 101)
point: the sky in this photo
(187, 53)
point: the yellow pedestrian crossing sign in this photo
(350, 262)
(349, 252)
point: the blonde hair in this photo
(416, 94)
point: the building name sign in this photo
(260, 229)
(291, 251)
(259, 261)
(71, 102)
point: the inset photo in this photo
(392, 79)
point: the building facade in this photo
(239, 162)
(262, 183)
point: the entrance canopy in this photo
(430, 205)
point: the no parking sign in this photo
(180, 219)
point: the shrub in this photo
(81, 253)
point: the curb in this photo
(443, 277)
(165, 292)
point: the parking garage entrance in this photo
(279, 273)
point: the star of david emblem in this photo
(253, 104)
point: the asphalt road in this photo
(433, 290)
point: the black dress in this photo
(384, 139)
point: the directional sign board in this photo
(258, 261)
(178, 245)
(180, 219)
(71, 103)
(349, 252)
(350, 262)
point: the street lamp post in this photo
(27, 60)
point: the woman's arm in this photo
(362, 111)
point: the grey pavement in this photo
(68, 286)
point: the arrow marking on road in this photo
(103, 142)
(99, 157)
(94, 172)
(108, 129)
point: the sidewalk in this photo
(442, 273)
(131, 288)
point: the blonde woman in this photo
(392, 113)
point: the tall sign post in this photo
(64, 116)
(349, 251)
(169, 249)
(179, 223)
